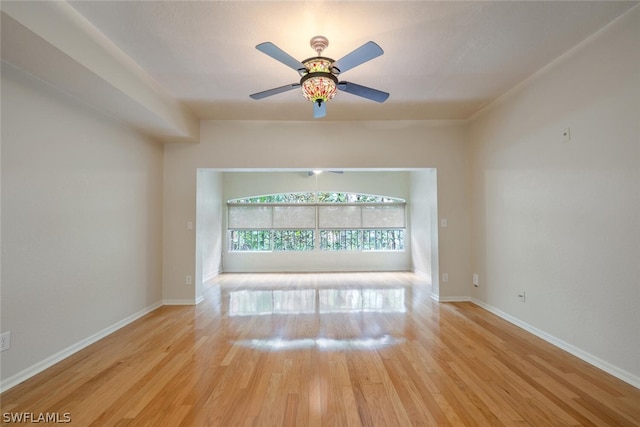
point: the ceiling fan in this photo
(319, 74)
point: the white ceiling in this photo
(442, 60)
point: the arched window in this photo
(325, 221)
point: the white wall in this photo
(387, 183)
(81, 224)
(560, 220)
(424, 226)
(209, 223)
(247, 145)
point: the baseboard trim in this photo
(180, 301)
(210, 276)
(453, 299)
(422, 274)
(35, 369)
(579, 353)
(428, 278)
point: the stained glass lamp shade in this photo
(319, 84)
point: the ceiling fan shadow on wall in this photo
(319, 75)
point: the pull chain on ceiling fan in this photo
(319, 74)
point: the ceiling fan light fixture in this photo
(319, 86)
(319, 75)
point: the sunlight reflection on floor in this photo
(281, 344)
(306, 301)
(323, 305)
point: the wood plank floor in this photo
(355, 349)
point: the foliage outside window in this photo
(321, 197)
(361, 240)
(272, 240)
(327, 221)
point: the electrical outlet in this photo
(5, 341)
(476, 280)
(522, 296)
(445, 277)
(189, 280)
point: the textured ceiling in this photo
(442, 60)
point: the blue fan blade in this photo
(280, 55)
(364, 53)
(274, 91)
(319, 110)
(363, 91)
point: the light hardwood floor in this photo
(325, 349)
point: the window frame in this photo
(388, 202)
